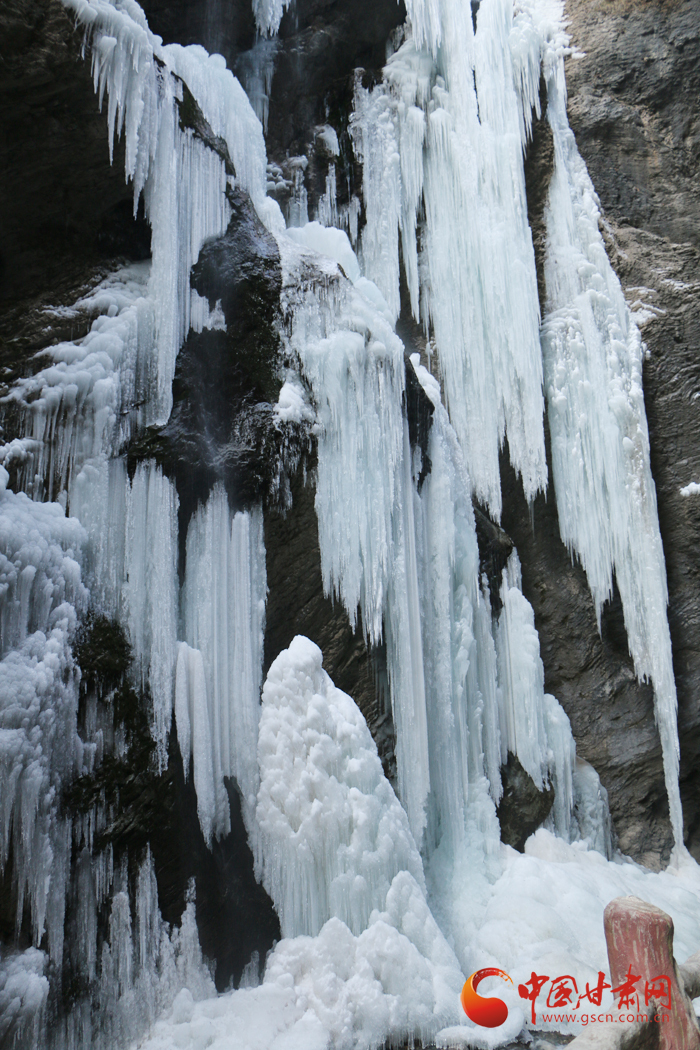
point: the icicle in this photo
(150, 591)
(328, 203)
(451, 134)
(605, 493)
(144, 964)
(257, 68)
(224, 613)
(521, 676)
(181, 178)
(268, 14)
(194, 735)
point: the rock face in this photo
(63, 208)
(227, 378)
(633, 105)
(523, 806)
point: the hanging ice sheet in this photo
(443, 137)
(606, 498)
(219, 669)
(182, 179)
(341, 335)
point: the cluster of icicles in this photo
(441, 143)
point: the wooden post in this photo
(639, 937)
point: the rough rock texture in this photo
(63, 208)
(294, 576)
(523, 806)
(235, 916)
(227, 378)
(634, 105)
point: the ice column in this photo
(151, 589)
(182, 179)
(219, 670)
(445, 139)
(459, 653)
(606, 497)
(354, 363)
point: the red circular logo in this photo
(489, 1013)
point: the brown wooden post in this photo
(639, 937)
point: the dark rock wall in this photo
(62, 207)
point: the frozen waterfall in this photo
(387, 894)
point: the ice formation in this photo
(181, 178)
(333, 834)
(79, 409)
(605, 493)
(445, 136)
(385, 900)
(219, 667)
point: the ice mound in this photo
(340, 862)
(333, 832)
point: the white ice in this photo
(181, 179)
(441, 141)
(219, 670)
(606, 498)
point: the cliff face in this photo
(66, 215)
(633, 105)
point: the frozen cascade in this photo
(344, 341)
(412, 134)
(130, 563)
(82, 405)
(444, 137)
(484, 685)
(363, 958)
(143, 964)
(150, 589)
(605, 493)
(182, 179)
(219, 668)
(40, 593)
(459, 652)
(80, 409)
